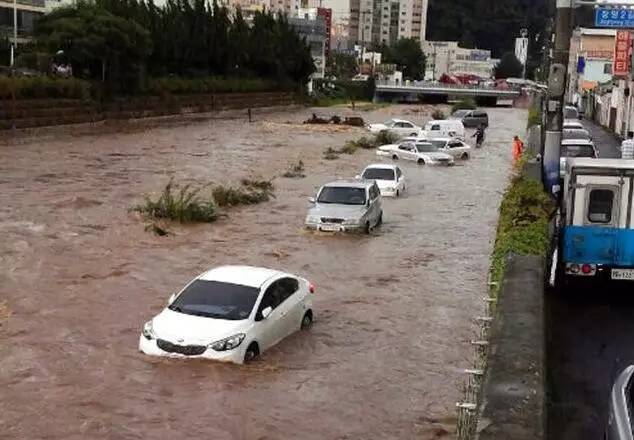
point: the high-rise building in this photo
(385, 21)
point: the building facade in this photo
(385, 21)
(315, 33)
(591, 60)
(447, 58)
(28, 12)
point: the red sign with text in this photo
(622, 53)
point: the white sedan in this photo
(230, 313)
(452, 146)
(398, 127)
(389, 178)
(421, 152)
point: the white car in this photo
(230, 313)
(570, 124)
(421, 152)
(452, 146)
(399, 127)
(445, 128)
(575, 148)
(389, 178)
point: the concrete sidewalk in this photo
(513, 398)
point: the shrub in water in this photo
(295, 171)
(331, 154)
(349, 147)
(465, 104)
(438, 115)
(250, 193)
(183, 205)
(384, 138)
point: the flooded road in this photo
(79, 276)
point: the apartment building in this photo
(385, 21)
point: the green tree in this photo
(97, 43)
(341, 65)
(408, 56)
(509, 67)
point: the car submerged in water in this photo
(230, 313)
(389, 178)
(346, 206)
(420, 151)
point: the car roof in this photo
(577, 142)
(351, 183)
(400, 120)
(244, 275)
(382, 165)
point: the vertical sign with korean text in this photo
(622, 53)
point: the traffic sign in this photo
(614, 18)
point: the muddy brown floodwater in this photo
(79, 276)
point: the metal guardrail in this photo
(439, 85)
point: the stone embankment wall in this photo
(48, 112)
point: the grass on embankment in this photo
(523, 224)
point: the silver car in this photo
(620, 415)
(346, 205)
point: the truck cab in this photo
(596, 226)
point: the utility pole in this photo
(15, 31)
(556, 93)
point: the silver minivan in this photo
(620, 415)
(346, 206)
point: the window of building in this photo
(607, 68)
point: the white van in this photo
(444, 128)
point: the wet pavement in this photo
(79, 276)
(588, 344)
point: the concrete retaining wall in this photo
(513, 405)
(40, 113)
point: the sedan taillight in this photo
(311, 287)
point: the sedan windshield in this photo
(378, 174)
(342, 195)
(577, 151)
(460, 114)
(214, 299)
(426, 148)
(389, 123)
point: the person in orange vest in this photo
(518, 148)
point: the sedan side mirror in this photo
(357, 176)
(266, 312)
(311, 199)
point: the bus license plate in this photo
(623, 274)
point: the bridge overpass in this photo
(413, 90)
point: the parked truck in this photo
(594, 228)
